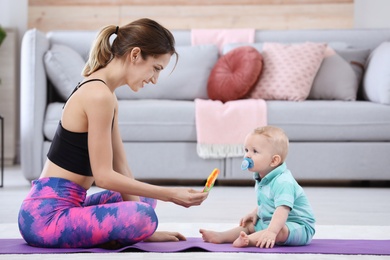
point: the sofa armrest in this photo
(33, 92)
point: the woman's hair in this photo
(152, 38)
(276, 137)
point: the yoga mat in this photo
(317, 246)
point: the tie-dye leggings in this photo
(58, 213)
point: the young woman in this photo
(87, 148)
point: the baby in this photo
(283, 215)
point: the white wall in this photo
(14, 15)
(372, 14)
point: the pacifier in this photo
(246, 164)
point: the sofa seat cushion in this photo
(143, 120)
(311, 121)
(338, 121)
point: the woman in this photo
(87, 148)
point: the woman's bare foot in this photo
(242, 240)
(211, 236)
(165, 236)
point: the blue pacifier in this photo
(246, 164)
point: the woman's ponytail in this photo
(152, 38)
(100, 53)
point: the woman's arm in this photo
(99, 107)
(120, 163)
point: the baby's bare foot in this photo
(242, 240)
(211, 236)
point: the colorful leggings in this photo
(57, 213)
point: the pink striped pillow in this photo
(288, 70)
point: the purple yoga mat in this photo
(317, 246)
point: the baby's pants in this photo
(299, 234)
(57, 213)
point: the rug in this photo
(318, 246)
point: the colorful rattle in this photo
(211, 180)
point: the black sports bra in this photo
(69, 150)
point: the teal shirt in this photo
(279, 188)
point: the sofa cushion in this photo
(328, 121)
(186, 82)
(376, 83)
(289, 70)
(235, 74)
(340, 64)
(63, 67)
(339, 75)
(306, 121)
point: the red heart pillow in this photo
(235, 74)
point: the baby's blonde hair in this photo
(276, 137)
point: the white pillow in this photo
(63, 67)
(376, 82)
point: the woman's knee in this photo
(146, 221)
(150, 201)
(103, 197)
(151, 213)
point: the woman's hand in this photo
(188, 197)
(165, 236)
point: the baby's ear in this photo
(276, 160)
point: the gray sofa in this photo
(329, 139)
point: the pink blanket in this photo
(221, 128)
(220, 37)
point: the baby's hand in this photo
(250, 218)
(266, 240)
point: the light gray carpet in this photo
(344, 213)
